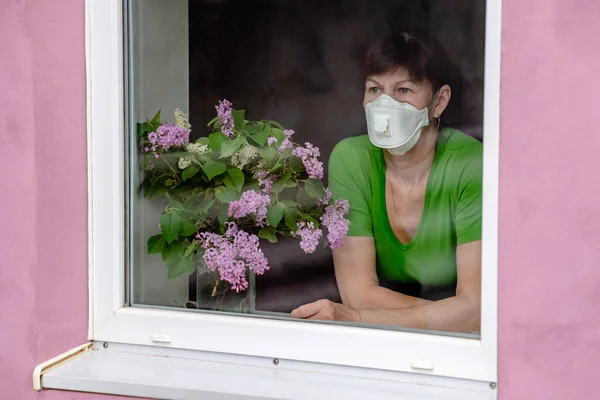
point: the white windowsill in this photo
(180, 374)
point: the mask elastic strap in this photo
(435, 121)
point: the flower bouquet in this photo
(245, 182)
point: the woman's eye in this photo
(374, 90)
(404, 90)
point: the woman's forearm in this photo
(379, 297)
(454, 314)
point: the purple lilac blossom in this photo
(225, 118)
(265, 181)
(325, 200)
(271, 140)
(336, 223)
(251, 203)
(233, 253)
(167, 136)
(309, 155)
(287, 142)
(310, 236)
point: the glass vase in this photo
(216, 295)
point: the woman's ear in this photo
(441, 101)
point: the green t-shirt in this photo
(451, 214)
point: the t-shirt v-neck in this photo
(451, 212)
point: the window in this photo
(123, 306)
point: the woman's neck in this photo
(413, 167)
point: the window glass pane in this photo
(391, 94)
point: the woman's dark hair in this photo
(419, 53)
(424, 59)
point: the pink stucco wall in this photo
(549, 201)
(549, 209)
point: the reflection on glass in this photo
(229, 209)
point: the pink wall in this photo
(549, 201)
(549, 207)
(43, 256)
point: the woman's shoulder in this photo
(355, 144)
(355, 150)
(458, 142)
(462, 155)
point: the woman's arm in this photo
(357, 278)
(460, 313)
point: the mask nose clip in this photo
(382, 125)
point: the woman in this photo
(415, 199)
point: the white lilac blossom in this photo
(243, 157)
(184, 162)
(181, 120)
(197, 148)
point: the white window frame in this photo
(111, 321)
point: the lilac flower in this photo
(336, 223)
(287, 142)
(225, 118)
(309, 155)
(251, 203)
(265, 182)
(325, 200)
(232, 254)
(310, 236)
(271, 140)
(167, 136)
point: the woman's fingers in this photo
(307, 310)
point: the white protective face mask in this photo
(394, 125)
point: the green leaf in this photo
(278, 134)
(297, 165)
(226, 195)
(291, 183)
(281, 182)
(215, 140)
(303, 199)
(268, 233)
(155, 244)
(314, 188)
(170, 225)
(238, 119)
(289, 203)
(212, 121)
(188, 228)
(223, 217)
(290, 215)
(187, 265)
(190, 249)
(309, 218)
(177, 264)
(172, 255)
(190, 172)
(262, 136)
(213, 168)
(276, 168)
(209, 200)
(156, 119)
(268, 154)
(228, 147)
(275, 214)
(235, 179)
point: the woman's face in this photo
(400, 86)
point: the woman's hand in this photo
(328, 311)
